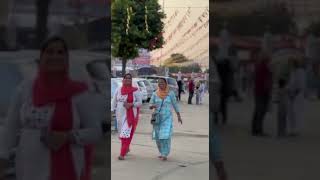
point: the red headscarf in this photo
(128, 90)
(58, 88)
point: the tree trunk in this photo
(124, 64)
(42, 20)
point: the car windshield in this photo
(147, 83)
(171, 81)
(140, 83)
(114, 86)
(97, 70)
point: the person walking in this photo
(215, 92)
(56, 118)
(161, 101)
(234, 75)
(202, 91)
(224, 70)
(179, 80)
(297, 88)
(216, 159)
(191, 87)
(263, 89)
(126, 103)
(197, 92)
(282, 107)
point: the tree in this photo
(175, 60)
(195, 67)
(42, 20)
(135, 25)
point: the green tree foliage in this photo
(175, 60)
(144, 30)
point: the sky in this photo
(196, 47)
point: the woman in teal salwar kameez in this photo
(163, 100)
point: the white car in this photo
(142, 87)
(147, 85)
(150, 88)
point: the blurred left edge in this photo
(85, 25)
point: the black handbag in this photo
(155, 117)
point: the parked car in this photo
(153, 83)
(149, 87)
(98, 70)
(172, 83)
(12, 74)
(137, 82)
(115, 84)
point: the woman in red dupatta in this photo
(53, 85)
(128, 89)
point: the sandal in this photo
(164, 158)
(120, 158)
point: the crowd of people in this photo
(290, 91)
(287, 89)
(194, 88)
(197, 89)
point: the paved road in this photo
(252, 158)
(189, 156)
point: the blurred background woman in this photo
(56, 120)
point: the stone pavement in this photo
(246, 157)
(252, 158)
(189, 157)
